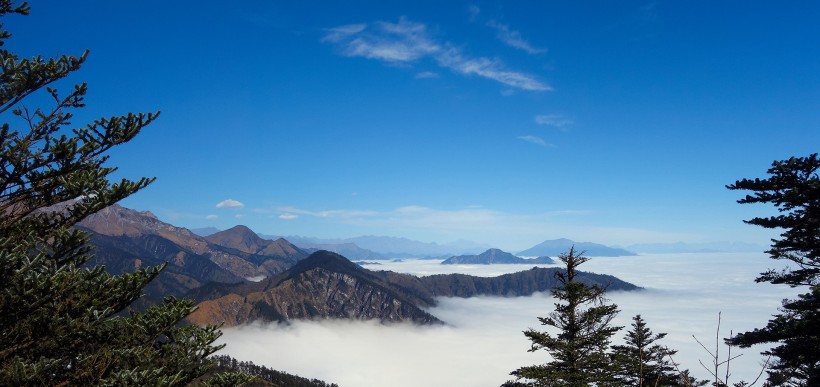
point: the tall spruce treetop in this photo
(794, 188)
(641, 361)
(582, 318)
(62, 323)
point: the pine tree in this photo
(578, 351)
(62, 323)
(794, 188)
(643, 362)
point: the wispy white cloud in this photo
(513, 38)
(555, 120)
(426, 74)
(239, 216)
(490, 69)
(473, 11)
(536, 140)
(229, 203)
(406, 42)
(211, 217)
(390, 42)
(339, 33)
(287, 216)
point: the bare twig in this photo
(765, 365)
(728, 358)
(717, 363)
(683, 377)
(717, 351)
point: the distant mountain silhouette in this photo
(494, 256)
(392, 247)
(556, 247)
(348, 250)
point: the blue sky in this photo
(505, 123)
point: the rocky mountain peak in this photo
(240, 238)
(116, 221)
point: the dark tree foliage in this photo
(641, 361)
(793, 187)
(60, 322)
(265, 376)
(579, 349)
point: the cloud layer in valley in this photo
(483, 342)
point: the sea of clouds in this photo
(483, 341)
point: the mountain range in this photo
(381, 247)
(392, 247)
(384, 247)
(295, 283)
(126, 240)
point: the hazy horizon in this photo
(465, 244)
(482, 341)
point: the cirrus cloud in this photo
(406, 42)
(513, 38)
(536, 140)
(555, 120)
